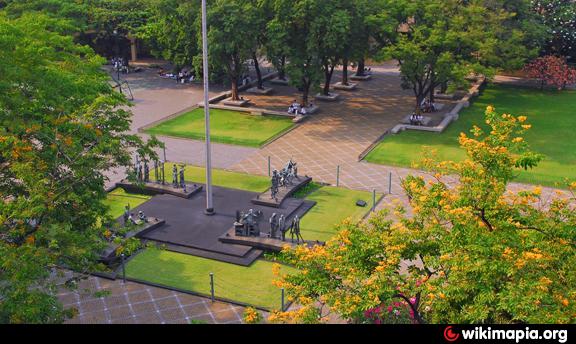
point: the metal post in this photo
(163, 166)
(390, 183)
(212, 286)
(268, 165)
(282, 293)
(338, 175)
(373, 200)
(123, 268)
(209, 207)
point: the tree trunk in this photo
(419, 98)
(328, 71)
(282, 69)
(361, 66)
(431, 94)
(444, 87)
(305, 91)
(234, 88)
(345, 72)
(258, 72)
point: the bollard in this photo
(338, 175)
(282, 294)
(212, 286)
(123, 269)
(269, 166)
(373, 200)
(390, 183)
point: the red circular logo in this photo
(449, 335)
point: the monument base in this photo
(266, 199)
(155, 188)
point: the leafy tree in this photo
(559, 18)
(231, 38)
(172, 31)
(61, 128)
(294, 27)
(469, 252)
(551, 70)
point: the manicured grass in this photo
(551, 113)
(118, 199)
(333, 205)
(252, 285)
(228, 179)
(226, 126)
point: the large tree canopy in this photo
(61, 127)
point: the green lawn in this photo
(228, 179)
(252, 285)
(551, 113)
(333, 206)
(118, 199)
(226, 126)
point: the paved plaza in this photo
(134, 303)
(336, 136)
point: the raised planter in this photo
(351, 86)
(241, 102)
(260, 91)
(365, 77)
(282, 82)
(332, 97)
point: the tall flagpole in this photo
(209, 206)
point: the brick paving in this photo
(135, 303)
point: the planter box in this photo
(230, 102)
(351, 86)
(260, 91)
(365, 77)
(277, 81)
(330, 98)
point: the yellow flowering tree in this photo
(470, 251)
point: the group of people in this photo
(416, 119)
(427, 106)
(120, 65)
(182, 77)
(297, 108)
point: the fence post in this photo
(390, 183)
(268, 165)
(373, 200)
(212, 286)
(338, 175)
(123, 268)
(282, 293)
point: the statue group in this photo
(178, 180)
(130, 219)
(142, 170)
(284, 178)
(247, 224)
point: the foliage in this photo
(551, 70)
(61, 127)
(251, 316)
(471, 252)
(559, 18)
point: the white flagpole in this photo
(209, 206)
